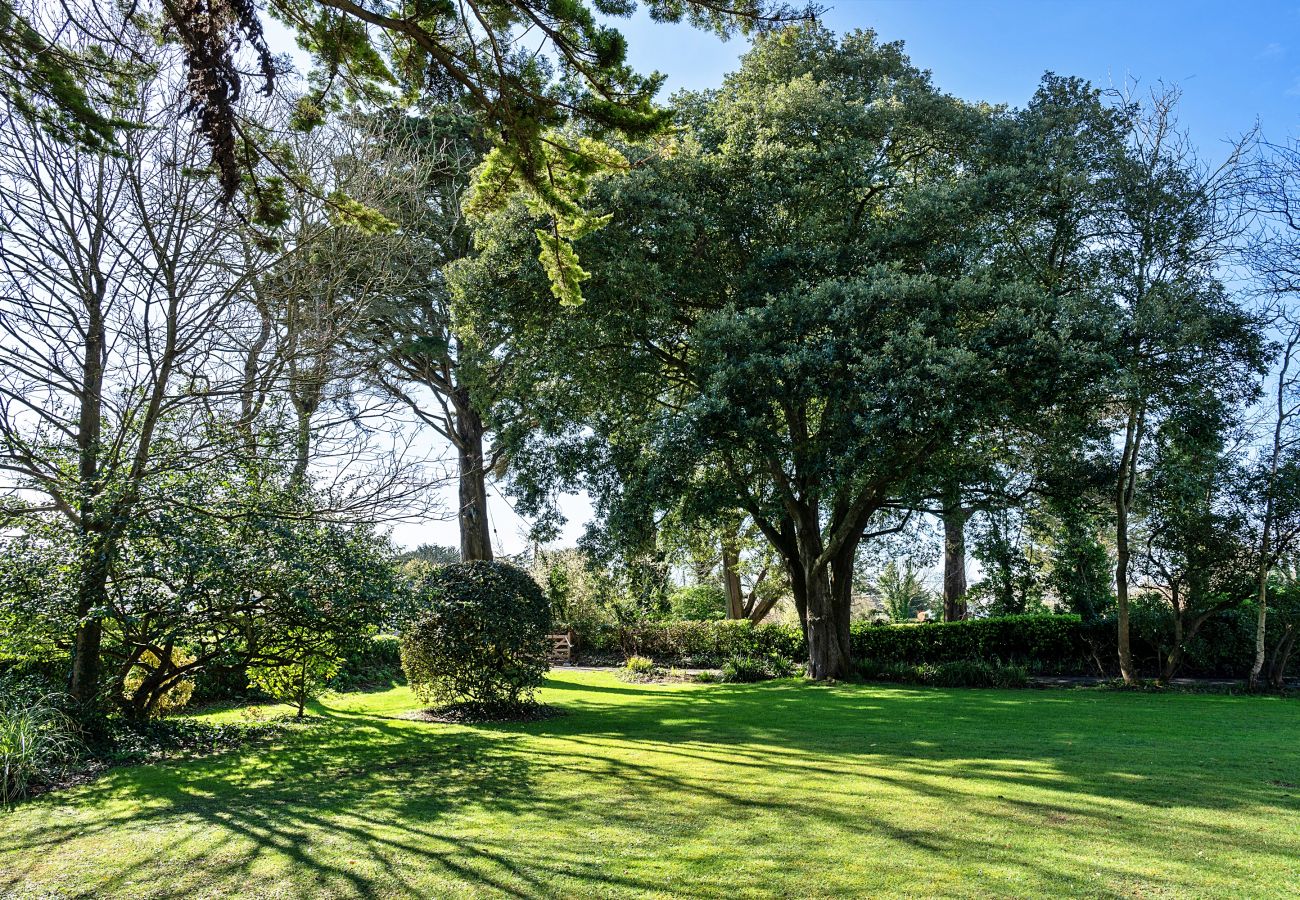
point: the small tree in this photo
(698, 601)
(901, 592)
(481, 638)
(309, 664)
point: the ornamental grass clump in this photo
(37, 743)
(479, 636)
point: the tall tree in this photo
(1177, 330)
(777, 302)
(117, 302)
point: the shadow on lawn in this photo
(363, 804)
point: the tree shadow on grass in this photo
(367, 804)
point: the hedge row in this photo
(686, 642)
(1042, 644)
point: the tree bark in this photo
(92, 587)
(954, 563)
(1281, 655)
(731, 578)
(475, 534)
(1125, 488)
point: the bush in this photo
(301, 681)
(961, 673)
(699, 602)
(696, 643)
(639, 665)
(481, 637)
(748, 669)
(370, 663)
(1050, 644)
(1041, 644)
(37, 740)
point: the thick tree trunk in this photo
(954, 563)
(827, 647)
(475, 534)
(731, 579)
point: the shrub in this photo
(960, 673)
(174, 698)
(372, 662)
(697, 643)
(699, 602)
(744, 670)
(747, 669)
(481, 637)
(37, 740)
(639, 665)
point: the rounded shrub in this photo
(479, 635)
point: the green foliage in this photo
(743, 670)
(175, 696)
(901, 592)
(959, 673)
(376, 662)
(301, 675)
(707, 643)
(583, 595)
(481, 637)
(38, 741)
(698, 602)
(747, 669)
(639, 668)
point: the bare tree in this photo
(114, 302)
(1274, 255)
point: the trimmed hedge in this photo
(1041, 644)
(701, 643)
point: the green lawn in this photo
(781, 789)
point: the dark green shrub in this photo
(481, 637)
(959, 673)
(375, 662)
(696, 643)
(699, 602)
(745, 670)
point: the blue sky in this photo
(1236, 63)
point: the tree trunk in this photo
(731, 578)
(1257, 667)
(92, 597)
(475, 536)
(1174, 658)
(1124, 490)
(92, 586)
(827, 656)
(954, 563)
(1282, 655)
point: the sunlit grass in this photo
(711, 791)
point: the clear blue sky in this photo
(1235, 61)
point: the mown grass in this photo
(783, 789)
